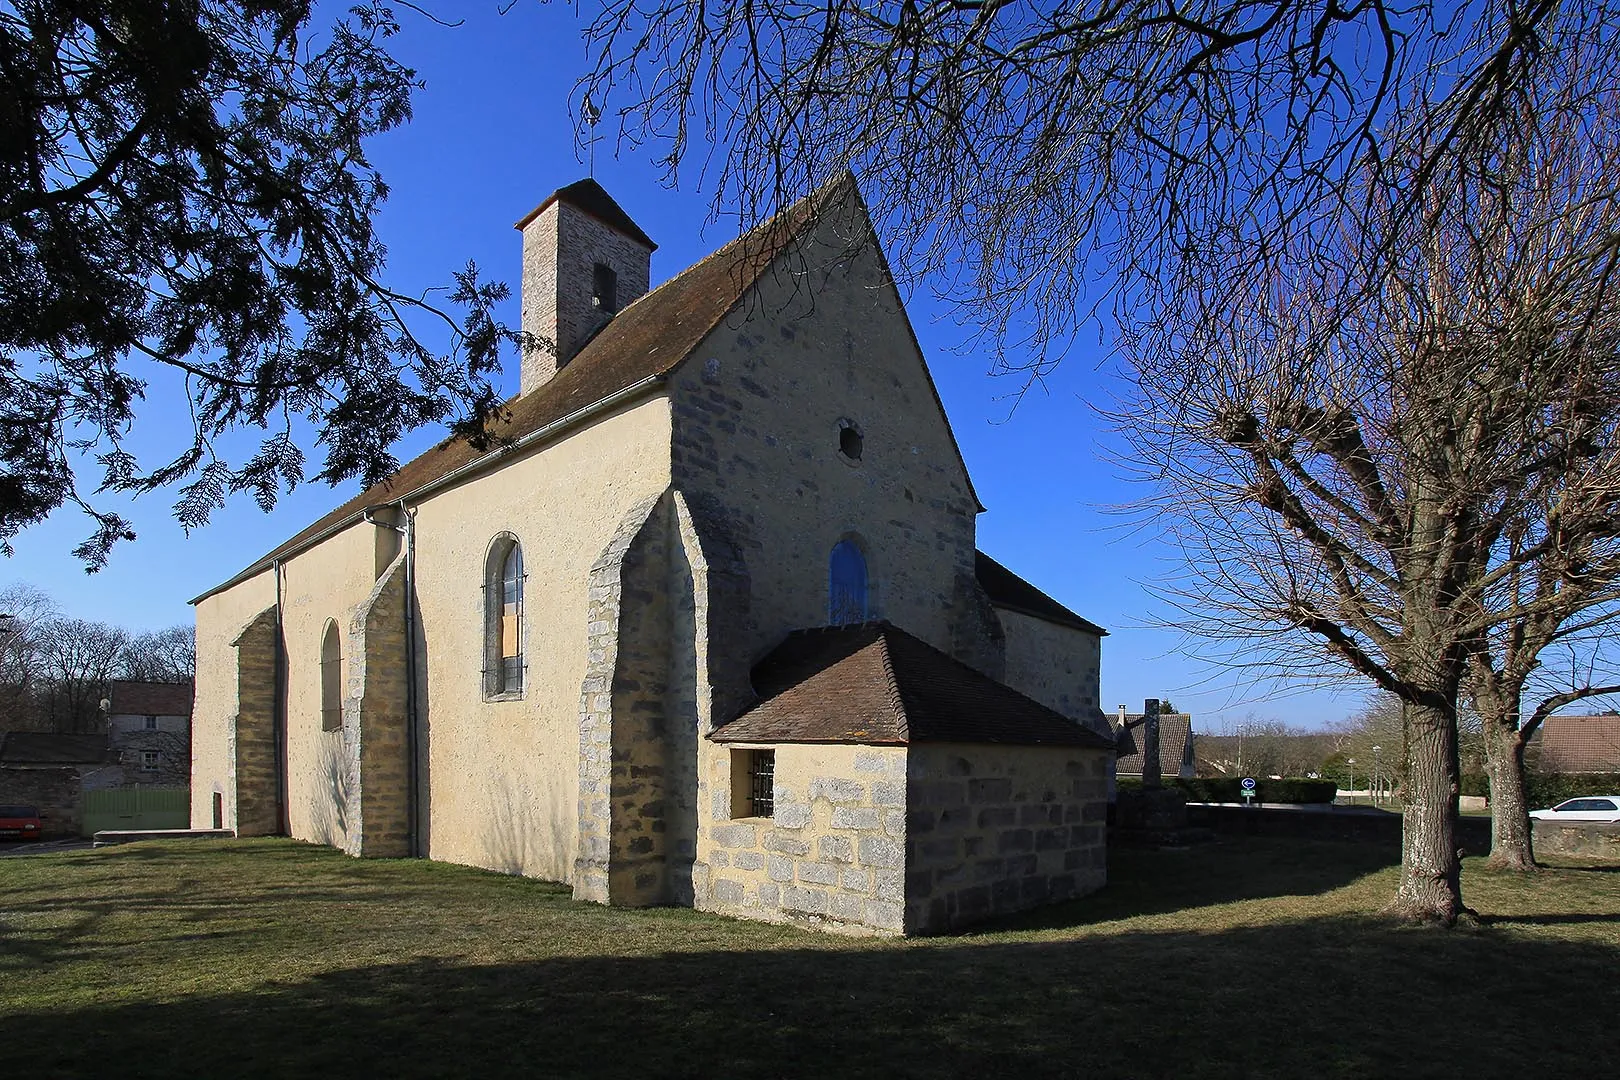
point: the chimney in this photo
(584, 260)
(1122, 716)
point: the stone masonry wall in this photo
(375, 721)
(560, 248)
(253, 744)
(1056, 665)
(55, 793)
(758, 410)
(997, 829)
(608, 777)
(833, 854)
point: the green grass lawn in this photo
(1251, 958)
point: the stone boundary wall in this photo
(1588, 840)
(996, 829)
(1357, 826)
(55, 792)
(832, 856)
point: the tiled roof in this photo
(589, 196)
(876, 684)
(646, 340)
(48, 748)
(1175, 745)
(1580, 744)
(1007, 590)
(150, 698)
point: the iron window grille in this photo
(761, 783)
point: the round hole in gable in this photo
(850, 440)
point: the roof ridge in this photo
(896, 697)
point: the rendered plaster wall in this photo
(1055, 665)
(996, 829)
(832, 856)
(501, 776)
(757, 429)
(221, 618)
(330, 582)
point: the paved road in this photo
(14, 851)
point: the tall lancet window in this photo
(846, 585)
(331, 679)
(503, 602)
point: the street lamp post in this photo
(1376, 774)
(1352, 764)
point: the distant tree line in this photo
(55, 670)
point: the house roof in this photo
(590, 197)
(1007, 590)
(644, 342)
(150, 698)
(49, 748)
(1175, 744)
(873, 683)
(1580, 744)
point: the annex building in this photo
(708, 627)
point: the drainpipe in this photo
(278, 712)
(413, 742)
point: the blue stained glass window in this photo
(846, 585)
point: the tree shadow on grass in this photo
(1324, 998)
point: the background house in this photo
(1577, 744)
(1175, 744)
(149, 730)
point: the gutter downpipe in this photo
(278, 713)
(413, 738)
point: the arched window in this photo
(331, 679)
(846, 584)
(503, 638)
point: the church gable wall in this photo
(759, 407)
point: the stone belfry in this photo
(583, 261)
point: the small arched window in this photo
(846, 585)
(331, 679)
(503, 589)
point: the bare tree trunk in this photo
(1430, 889)
(1511, 844)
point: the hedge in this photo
(1549, 789)
(1223, 789)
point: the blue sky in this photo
(491, 138)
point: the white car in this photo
(1587, 808)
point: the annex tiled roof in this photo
(1175, 746)
(646, 340)
(49, 748)
(589, 196)
(1007, 590)
(150, 698)
(876, 684)
(1580, 744)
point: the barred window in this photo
(503, 605)
(753, 783)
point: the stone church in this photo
(707, 626)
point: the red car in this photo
(20, 823)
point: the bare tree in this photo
(168, 655)
(1024, 156)
(79, 659)
(23, 611)
(1362, 453)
